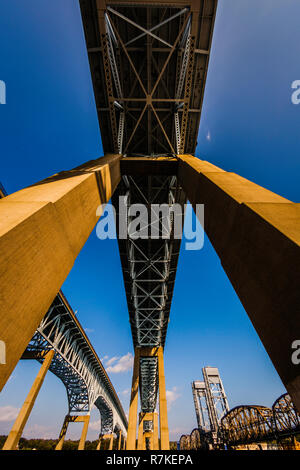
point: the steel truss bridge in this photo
(148, 63)
(77, 365)
(249, 424)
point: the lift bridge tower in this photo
(210, 401)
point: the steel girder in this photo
(149, 63)
(77, 365)
(246, 424)
(286, 417)
(149, 269)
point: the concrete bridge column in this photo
(120, 440)
(99, 443)
(85, 419)
(44, 227)
(148, 435)
(256, 234)
(132, 419)
(111, 441)
(155, 432)
(141, 432)
(103, 438)
(62, 434)
(163, 412)
(18, 427)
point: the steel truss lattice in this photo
(248, 423)
(77, 365)
(148, 63)
(149, 268)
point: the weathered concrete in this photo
(132, 418)
(163, 413)
(42, 230)
(256, 234)
(155, 432)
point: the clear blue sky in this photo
(49, 124)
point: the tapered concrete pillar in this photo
(120, 440)
(62, 434)
(163, 413)
(85, 419)
(44, 227)
(111, 442)
(256, 234)
(99, 443)
(141, 431)
(17, 429)
(155, 432)
(132, 419)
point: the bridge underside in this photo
(149, 268)
(152, 58)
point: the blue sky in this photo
(248, 126)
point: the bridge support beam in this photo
(141, 432)
(132, 418)
(163, 414)
(256, 234)
(110, 438)
(85, 419)
(111, 441)
(44, 227)
(99, 443)
(120, 440)
(155, 432)
(18, 427)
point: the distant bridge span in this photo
(77, 365)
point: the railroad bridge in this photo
(148, 63)
(246, 425)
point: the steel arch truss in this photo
(286, 417)
(107, 418)
(246, 424)
(76, 364)
(185, 442)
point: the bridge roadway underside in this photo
(149, 264)
(148, 64)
